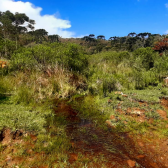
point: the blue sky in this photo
(107, 17)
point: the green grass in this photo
(22, 117)
(148, 95)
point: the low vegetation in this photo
(66, 95)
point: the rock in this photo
(131, 163)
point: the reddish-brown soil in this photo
(119, 149)
(112, 148)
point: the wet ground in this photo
(109, 147)
(118, 149)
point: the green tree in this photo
(53, 38)
(40, 35)
(114, 40)
(132, 34)
(101, 37)
(144, 36)
(12, 25)
(146, 57)
(91, 35)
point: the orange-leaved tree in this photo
(161, 45)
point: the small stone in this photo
(131, 163)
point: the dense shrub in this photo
(146, 57)
(69, 56)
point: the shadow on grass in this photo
(4, 98)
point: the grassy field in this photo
(108, 109)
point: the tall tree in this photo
(53, 38)
(12, 25)
(39, 35)
(161, 45)
(132, 34)
(144, 36)
(20, 20)
(114, 40)
(91, 35)
(131, 42)
(101, 37)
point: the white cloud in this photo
(166, 32)
(50, 23)
(166, 5)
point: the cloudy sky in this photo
(76, 18)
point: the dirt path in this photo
(97, 147)
(118, 149)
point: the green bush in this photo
(69, 56)
(146, 57)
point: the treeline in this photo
(132, 41)
(17, 30)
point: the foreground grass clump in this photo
(151, 95)
(22, 117)
(40, 86)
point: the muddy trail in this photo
(90, 145)
(114, 149)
